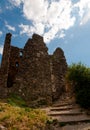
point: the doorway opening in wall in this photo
(9, 81)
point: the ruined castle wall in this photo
(31, 72)
(5, 66)
(33, 80)
(14, 63)
(58, 68)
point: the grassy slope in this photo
(21, 118)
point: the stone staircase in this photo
(67, 115)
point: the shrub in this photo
(79, 76)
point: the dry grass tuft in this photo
(18, 118)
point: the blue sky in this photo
(62, 23)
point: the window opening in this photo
(17, 64)
(21, 53)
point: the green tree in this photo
(79, 76)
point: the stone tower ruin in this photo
(31, 72)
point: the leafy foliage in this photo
(79, 76)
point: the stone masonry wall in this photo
(58, 69)
(32, 73)
(5, 66)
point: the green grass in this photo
(16, 100)
(14, 115)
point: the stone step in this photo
(61, 108)
(69, 115)
(71, 118)
(62, 104)
(75, 122)
(65, 112)
(75, 126)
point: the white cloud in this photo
(15, 2)
(29, 30)
(84, 10)
(47, 18)
(1, 33)
(26, 29)
(83, 6)
(85, 18)
(1, 49)
(9, 27)
(62, 35)
(15, 35)
(50, 17)
(35, 10)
